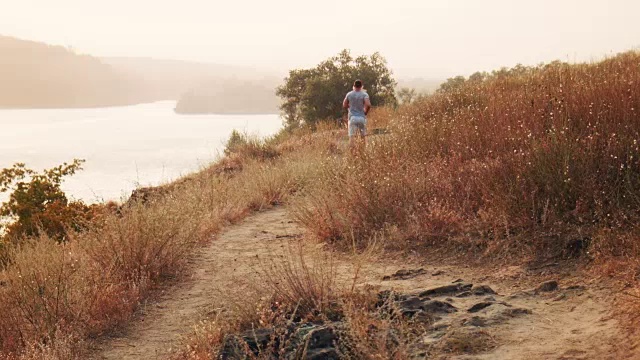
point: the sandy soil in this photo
(569, 323)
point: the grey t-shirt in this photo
(356, 102)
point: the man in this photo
(358, 103)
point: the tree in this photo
(37, 203)
(312, 95)
(406, 95)
(452, 84)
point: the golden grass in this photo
(524, 161)
(53, 292)
(544, 158)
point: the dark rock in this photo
(322, 354)
(482, 290)
(233, 348)
(411, 303)
(513, 312)
(479, 306)
(252, 341)
(311, 341)
(437, 306)
(499, 313)
(547, 286)
(446, 290)
(404, 274)
(464, 294)
(147, 194)
(476, 321)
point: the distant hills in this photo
(233, 96)
(37, 75)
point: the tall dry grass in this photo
(54, 296)
(299, 285)
(542, 158)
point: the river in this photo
(124, 147)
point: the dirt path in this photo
(221, 265)
(571, 322)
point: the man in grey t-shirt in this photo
(358, 103)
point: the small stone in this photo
(479, 306)
(436, 306)
(404, 274)
(438, 273)
(482, 290)
(547, 286)
(447, 289)
(477, 321)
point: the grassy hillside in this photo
(520, 164)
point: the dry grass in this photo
(545, 159)
(53, 292)
(297, 287)
(539, 160)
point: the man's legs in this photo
(357, 134)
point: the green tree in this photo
(407, 95)
(452, 84)
(37, 203)
(312, 95)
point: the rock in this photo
(147, 194)
(479, 306)
(446, 290)
(482, 290)
(464, 294)
(322, 354)
(233, 348)
(314, 342)
(457, 281)
(238, 347)
(476, 321)
(404, 274)
(498, 313)
(437, 306)
(438, 273)
(547, 286)
(411, 303)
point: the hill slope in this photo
(37, 75)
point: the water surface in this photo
(124, 147)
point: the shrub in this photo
(36, 202)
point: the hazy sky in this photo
(419, 37)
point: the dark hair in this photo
(357, 84)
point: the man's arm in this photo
(367, 105)
(345, 103)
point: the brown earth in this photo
(574, 321)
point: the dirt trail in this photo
(568, 323)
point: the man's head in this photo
(357, 84)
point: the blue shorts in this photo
(357, 126)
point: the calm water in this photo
(124, 147)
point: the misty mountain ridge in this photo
(38, 75)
